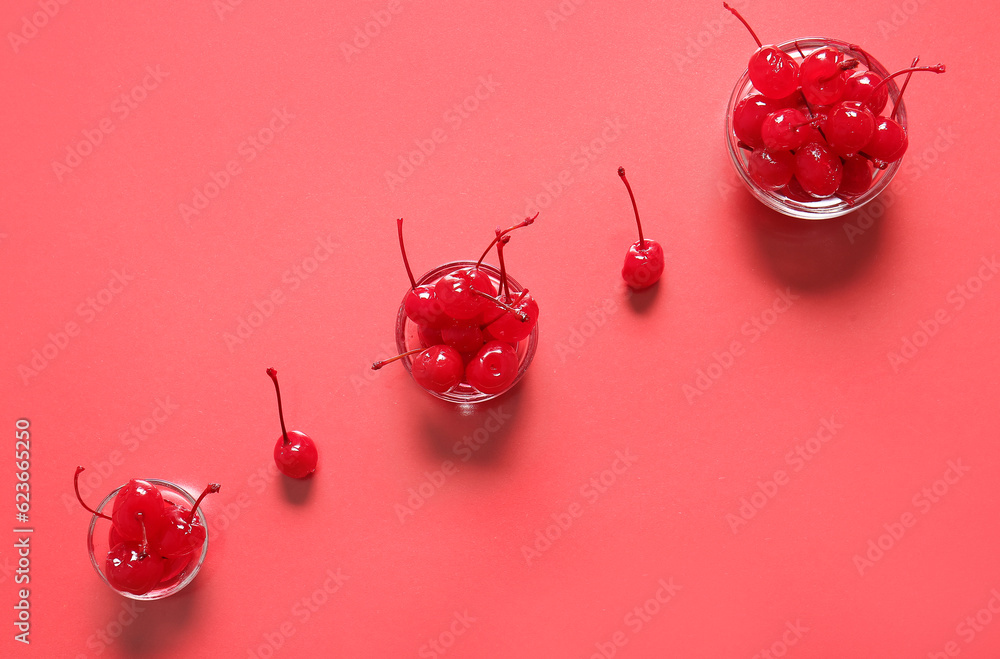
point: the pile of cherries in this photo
(152, 540)
(468, 324)
(814, 127)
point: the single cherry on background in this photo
(493, 369)
(772, 71)
(295, 452)
(644, 261)
(437, 368)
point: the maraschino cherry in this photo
(773, 72)
(437, 368)
(644, 261)
(295, 452)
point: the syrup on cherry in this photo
(295, 452)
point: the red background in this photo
(642, 85)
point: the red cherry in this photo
(823, 82)
(174, 567)
(849, 128)
(423, 307)
(644, 260)
(457, 293)
(772, 71)
(295, 452)
(513, 327)
(749, 114)
(859, 87)
(857, 177)
(428, 336)
(184, 532)
(138, 511)
(130, 568)
(782, 130)
(464, 338)
(818, 170)
(493, 369)
(888, 142)
(437, 368)
(771, 170)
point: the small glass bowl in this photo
(463, 393)
(817, 209)
(97, 542)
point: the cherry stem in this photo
(503, 305)
(500, 234)
(861, 51)
(801, 54)
(846, 65)
(906, 81)
(744, 145)
(747, 25)
(807, 123)
(406, 262)
(937, 68)
(635, 209)
(503, 268)
(281, 415)
(76, 486)
(211, 489)
(377, 365)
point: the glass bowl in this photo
(97, 542)
(463, 393)
(817, 209)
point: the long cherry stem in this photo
(377, 365)
(211, 489)
(743, 20)
(500, 234)
(523, 317)
(906, 81)
(406, 262)
(937, 68)
(76, 486)
(503, 268)
(281, 415)
(635, 209)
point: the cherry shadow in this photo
(642, 301)
(156, 626)
(297, 491)
(476, 434)
(816, 256)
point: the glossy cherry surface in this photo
(295, 452)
